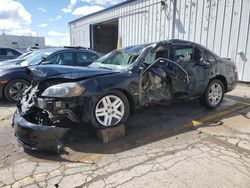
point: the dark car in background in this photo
(14, 80)
(9, 53)
(106, 92)
(19, 59)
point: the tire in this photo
(213, 95)
(112, 115)
(18, 86)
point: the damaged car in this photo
(107, 91)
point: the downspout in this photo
(91, 36)
(174, 17)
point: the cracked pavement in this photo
(159, 150)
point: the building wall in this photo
(21, 42)
(221, 25)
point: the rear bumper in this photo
(232, 83)
(35, 136)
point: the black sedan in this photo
(106, 92)
(14, 80)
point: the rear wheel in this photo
(214, 94)
(110, 109)
(14, 90)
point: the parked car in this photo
(8, 53)
(32, 48)
(14, 80)
(19, 59)
(106, 92)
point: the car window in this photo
(3, 52)
(86, 57)
(150, 58)
(160, 52)
(9, 52)
(183, 53)
(209, 56)
(16, 53)
(65, 58)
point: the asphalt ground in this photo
(152, 133)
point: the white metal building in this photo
(21, 42)
(223, 26)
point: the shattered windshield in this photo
(119, 59)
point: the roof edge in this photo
(109, 8)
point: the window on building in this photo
(14, 43)
(36, 44)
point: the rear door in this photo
(186, 56)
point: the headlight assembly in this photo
(64, 90)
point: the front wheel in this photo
(214, 94)
(110, 109)
(14, 90)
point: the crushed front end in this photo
(40, 123)
(52, 104)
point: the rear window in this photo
(209, 56)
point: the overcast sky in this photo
(48, 18)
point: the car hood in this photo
(10, 62)
(44, 72)
(11, 68)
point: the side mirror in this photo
(46, 63)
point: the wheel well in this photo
(222, 79)
(130, 99)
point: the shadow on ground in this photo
(147, 125)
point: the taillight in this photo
(235, 68)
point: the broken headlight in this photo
(64, 90)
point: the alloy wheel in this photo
(109, 110)
(16, 90)
(215, 94)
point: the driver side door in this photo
(164, 80)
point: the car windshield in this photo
(36, 57)
(23, 55)
(27, 55)
(119, 59)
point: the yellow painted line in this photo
(244, 103)
(194, 123)
(29, 180)
(5, 118)
(217, 115)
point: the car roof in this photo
(58, 49)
